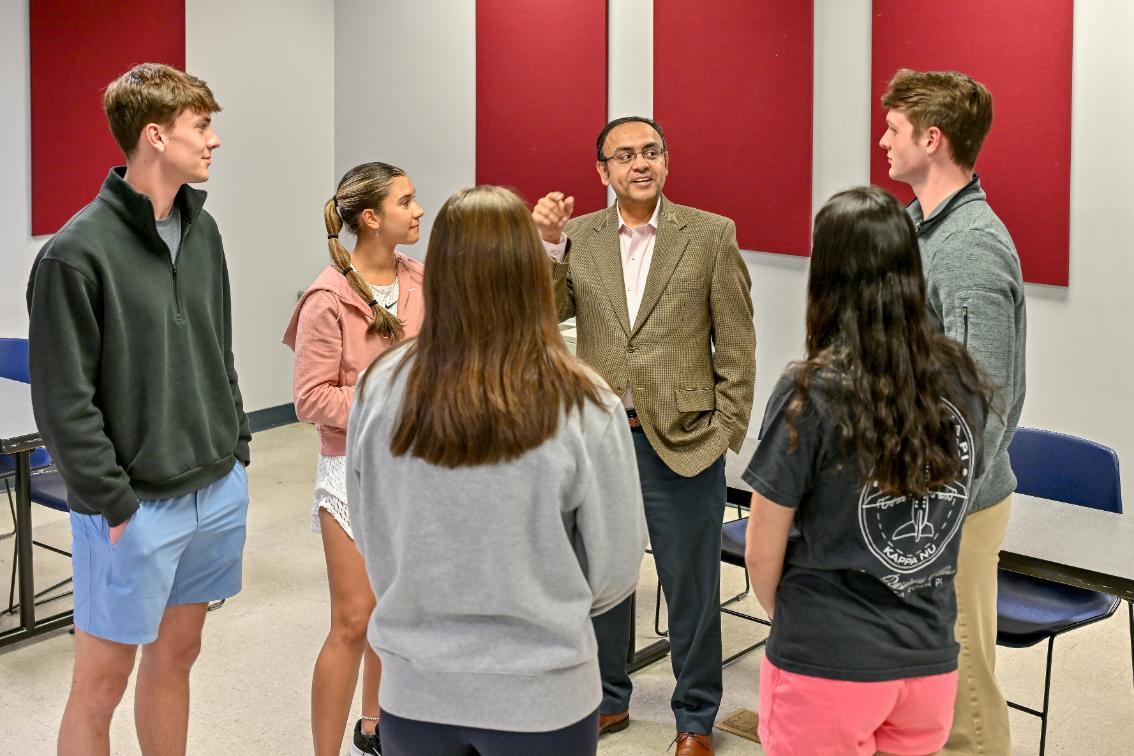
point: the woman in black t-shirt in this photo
(862, 478)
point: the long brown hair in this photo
(362, 188)
(868, 328)
(491, 376)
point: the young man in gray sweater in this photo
(935, 125)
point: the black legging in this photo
(411, 737)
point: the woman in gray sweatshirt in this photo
(492, 482)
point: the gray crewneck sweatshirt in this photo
(486, 577)
(976, 294)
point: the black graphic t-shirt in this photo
(867, 588)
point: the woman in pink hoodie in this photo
(361, 304)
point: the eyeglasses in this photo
(651, 155)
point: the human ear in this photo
(371, 219)
(152, 135)
(933, 139)
(603, 172)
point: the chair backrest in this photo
(1066, 468)
(14, 360)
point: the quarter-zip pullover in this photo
(133, 383)
(976, 294)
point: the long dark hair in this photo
(491, 376)
(869, 330)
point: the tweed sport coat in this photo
(690, 357)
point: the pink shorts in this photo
(801, 714)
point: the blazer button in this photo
(630, 349)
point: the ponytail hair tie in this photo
(348, 270)
(372, 303)
(332, 236)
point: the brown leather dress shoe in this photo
(613, 722)
(692, 744)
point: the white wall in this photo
(329, 84)
(1080, 340)
(271, 67)
(405, 94)
(17, 247)
(275, 82)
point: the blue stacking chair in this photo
(14, 366)
(1030, 610)
(47, 490)
(732, 552)
(46, 485)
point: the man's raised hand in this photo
(551, 213)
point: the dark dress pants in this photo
(684, 517)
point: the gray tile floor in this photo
(251, 686)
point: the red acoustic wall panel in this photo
(733, 91)
(1020, 50)
(77, 48)
(541, 97)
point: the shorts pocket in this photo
(127, 535)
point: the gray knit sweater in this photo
(976, 294)
(487, 577)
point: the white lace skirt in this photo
(330, 492)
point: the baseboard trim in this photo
(271, 417)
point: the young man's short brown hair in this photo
(953, 102)
(152, 93)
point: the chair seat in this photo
(732, 542)
(39, 458)
(1031, 609)
(48, 489)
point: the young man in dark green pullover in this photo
(136, 396)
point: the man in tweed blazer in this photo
(661, 299)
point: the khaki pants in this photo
(980, 718)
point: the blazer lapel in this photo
(668, 248)
(607, 256)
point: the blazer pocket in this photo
(695, 400)
(685, 285)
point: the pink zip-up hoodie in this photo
(328, 334)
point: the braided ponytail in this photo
(364, 187)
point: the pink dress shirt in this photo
(637, 246)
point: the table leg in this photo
(24, 539)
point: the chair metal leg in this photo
(637, 658)
(12, 507)
(657, 615)
(1041, 713)
(15, 553)
(39, 600)
(748, 650)
(39, 597)
(738, 597)
(1046, 696)
(1130, 605)
(12, 583)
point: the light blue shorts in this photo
(185, 550)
